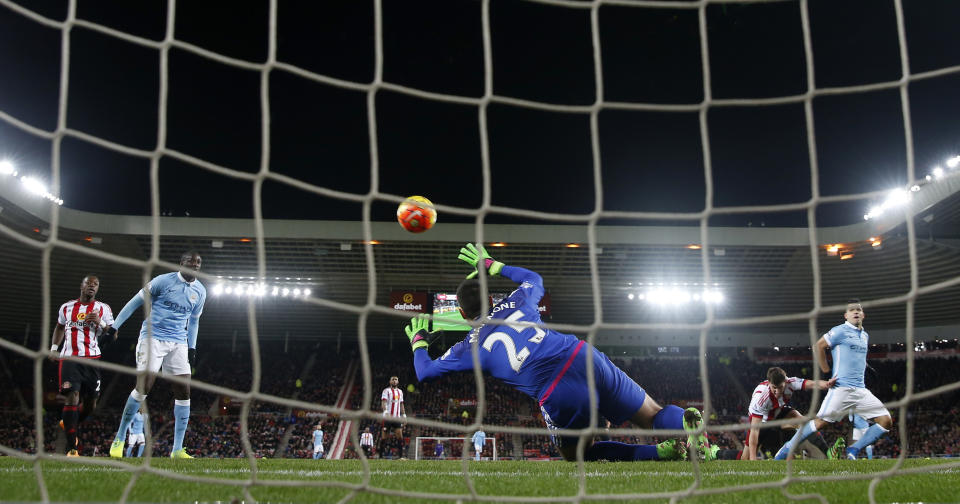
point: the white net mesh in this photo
(161, 150)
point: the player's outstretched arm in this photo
(473, 256)
(135, 302)
(820, 384)
(754, 438)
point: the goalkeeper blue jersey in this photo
(848, 347)
(523, 356)
(173, 302)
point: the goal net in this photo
(446, 448)
(259, 394)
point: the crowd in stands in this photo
(307, 373)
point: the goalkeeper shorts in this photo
(566, 402)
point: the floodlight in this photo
(938, 173)
(275, 291)
(630, 296)
(914, 188)
(33, 185)
(229, 290)
(217, 289)
(897, 197)
(306, 292)
(7, 168)
(953, 162)
(285, 291)
(296, 292)
(249, 290)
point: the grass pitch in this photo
(87, 479)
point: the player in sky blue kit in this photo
(479, 438)
(318, 442)
(550, 367)
(168, 340)
(136, 439)
(848, 344)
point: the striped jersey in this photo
(765, 405)
(80, 336)
(394, 398)
(366, 439)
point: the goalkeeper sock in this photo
(808, 430)
(874, 433)
(670, 417)
(620, 452)
(130, 409)
(70, 426)
(181, 415)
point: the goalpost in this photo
(453, 448)
(251, 479)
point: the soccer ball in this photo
(416, 214)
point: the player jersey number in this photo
(515, 358)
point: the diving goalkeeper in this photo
(551, 367)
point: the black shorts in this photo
(79, 377)
(772, 439)
(392, 424)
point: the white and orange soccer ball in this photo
(416, 214)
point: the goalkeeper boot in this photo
(837, 449)
(672, 449)
(73, 453)
(116, 448)
(180, 454)
(692, 420)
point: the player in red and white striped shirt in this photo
(391, 400)
(80, 323)
(770, 401)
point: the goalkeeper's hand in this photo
(419, 334)
(471, 255)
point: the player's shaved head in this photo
(188, 255)
(468, 297)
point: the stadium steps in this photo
(339, 442)
(281, 451)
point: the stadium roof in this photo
(760, 271)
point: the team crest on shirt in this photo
(193, 298)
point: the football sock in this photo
(129, 450)
(181, 415)
(86, 407)
(70, 425)
(130, 409)
(808, 429)
(874, 433)
(818, 441)
(670, 417)
(620, 452)
(870, 452)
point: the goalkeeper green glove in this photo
(471, 255)
(419, 334)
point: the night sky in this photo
(651, 161)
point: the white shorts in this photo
(478, 447)
(317, 449)
(136, 439)
(841, 401)
(858, 433)
(169, 355)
